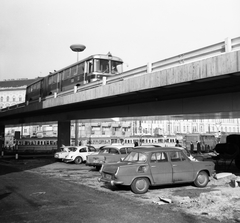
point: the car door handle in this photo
(174, 165)
(153, 166)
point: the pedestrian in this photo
(198, 148)
(191, 147)
(177, 144)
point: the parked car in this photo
(63, 152)
(108, 154)
(78, 154)
(156, 166)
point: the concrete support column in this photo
(2, 135)
(64, 133)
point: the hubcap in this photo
(201, 179)
(141, 185)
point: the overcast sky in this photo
(35, 35)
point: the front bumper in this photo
(68, 160)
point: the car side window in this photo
(113, 151)
(182, 156)
(83, 150)
(175, 156)
(123, 151)
(91, 149)
(129, 150)
(159, 157)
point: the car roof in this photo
(155, 149)
(116, 146)
(76, 146)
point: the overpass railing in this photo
(222, 47)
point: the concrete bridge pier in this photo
(64, 133)
(2, 135)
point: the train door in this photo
(89, 71)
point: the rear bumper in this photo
(112, 182)
(94, 164)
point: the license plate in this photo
(95, 161)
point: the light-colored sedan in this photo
(60, 155)
(108, 154)
(156, 166)
(78, 154)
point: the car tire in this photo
(78, 160)
(202, 179)
(140, 185)
(98, 168)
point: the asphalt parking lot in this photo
(185, 197)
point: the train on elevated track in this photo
(91, 69)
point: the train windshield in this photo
(107, 66)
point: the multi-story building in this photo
(13, 91)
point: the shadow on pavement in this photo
(21, 164)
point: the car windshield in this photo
(136, 157)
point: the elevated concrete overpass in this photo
(208, 88)
(202, 89)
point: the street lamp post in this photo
(77, 48)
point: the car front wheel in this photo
(202, 179)
(78, 160)
(140, 185)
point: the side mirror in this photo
(121, 159)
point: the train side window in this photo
(80, 69)
(74, 71)
(66, 74)
(50, 80)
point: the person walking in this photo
(191, 147)
(177, 144)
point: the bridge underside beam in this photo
(203, 107)
(2, 129)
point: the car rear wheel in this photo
(140, 185)
(78, 160)
(202, 179)
(98, 168)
